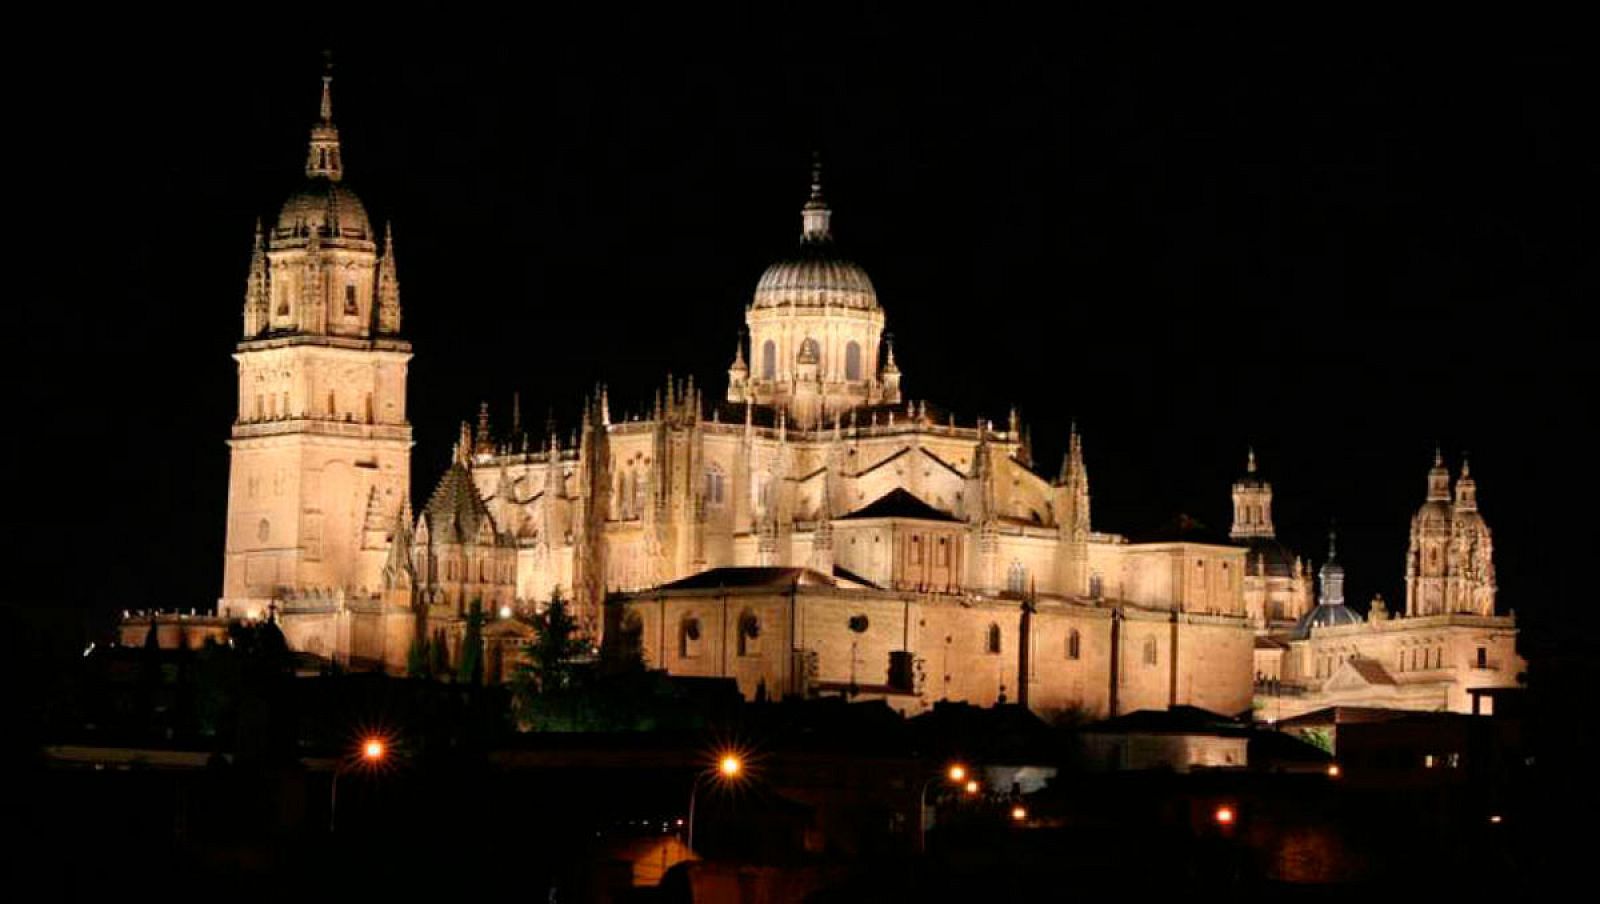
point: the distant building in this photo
(1447, 645)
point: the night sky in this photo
(1341, 241)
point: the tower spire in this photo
(1438, 479)
(815, 215)
(323, 159)
(1466, 488)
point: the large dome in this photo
(816, 276)
(326, 208)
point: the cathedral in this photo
(810, 530)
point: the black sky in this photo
(1339, 240)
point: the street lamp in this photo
(372, 752)
(1019, 813)
(955, 773)
(729, 768)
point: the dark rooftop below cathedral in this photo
(899, 503)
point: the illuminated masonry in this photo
(811, 531)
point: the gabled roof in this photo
(883, 461)
(751, 576)
(1371, 670)
(1339, 715)
(952, 468)
(899, 503)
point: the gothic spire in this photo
(1250, 461)
(323, 159)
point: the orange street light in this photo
(729, 768)
(1224, 815)
(1019, 813)
(954, 773)
(971, 787)
(371, 752)
(1334, 771)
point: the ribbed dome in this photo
(1325, 616)
(327, 208)
(814, 276)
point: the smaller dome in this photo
(327, 208)
(1325, 615)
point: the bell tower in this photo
(320, 460)
(1252, 504)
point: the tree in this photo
(439, 654)
(552, 659)
(470, 669)
(417, 657)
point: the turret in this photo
(258, 291)
(388, 319)
(1252, 504)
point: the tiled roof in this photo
(455, 511)
(899, 503)
(750, 576)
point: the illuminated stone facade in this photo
(810, 530)
(1448, 642)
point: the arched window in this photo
(852, 360)
(1096, 586)
(689, 637)
(749, 633)
(714, 486)
(1074, 643)
(769, 360)
(1017, 578)
(350, 299)
(992, 642)
(1149, 651)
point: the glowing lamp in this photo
(505, 611)
(373, 750)
(1496, 819)
(972, 787)
(1224, 816)
(1334, 771)
(957, 772)
(1019, 813)
(730, 766)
